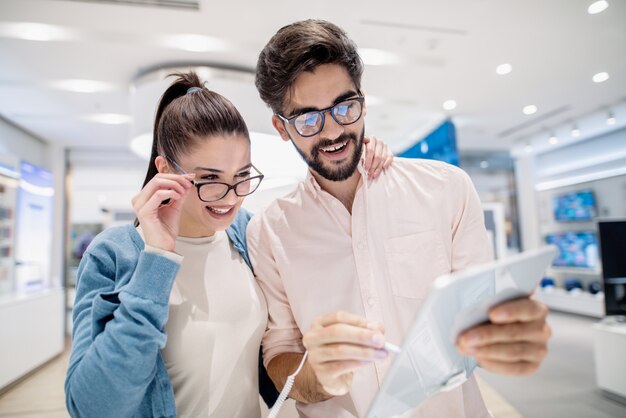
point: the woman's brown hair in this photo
(189, 113)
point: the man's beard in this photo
(341, 171)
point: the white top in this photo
(216, 321)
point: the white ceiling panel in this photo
(447, 49)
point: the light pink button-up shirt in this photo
(419, 220)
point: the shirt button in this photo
(361, 245)
(371, 302)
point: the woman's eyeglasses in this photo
(211, 191)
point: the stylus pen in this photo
(391, 348)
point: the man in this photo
(341, 255)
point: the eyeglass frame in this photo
(292, 120)
(230, 187)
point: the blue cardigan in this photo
(120, 312)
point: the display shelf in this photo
(582, 303)
(568, 227)
(575, 271)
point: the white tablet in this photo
(429, 362)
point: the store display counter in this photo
(609, 346)
(31, 330)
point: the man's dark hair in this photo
(299, 47)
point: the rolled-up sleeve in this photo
(282, 334)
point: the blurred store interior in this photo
(528, 97)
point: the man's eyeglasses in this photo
(211, 191)
(311, 123)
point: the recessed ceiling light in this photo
(449, 105)
(597, 7)
(503, 69)
(575, 132)
(30, 31)
(528, 147)
(371, 56)
(82, 86)
(529, 110)
(553, 139)
(109, 118)
(194, 43)
(600, 77)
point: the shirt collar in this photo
(311, 184)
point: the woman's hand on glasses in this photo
(160, 222)
(377, 157)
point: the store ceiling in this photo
(438, 50)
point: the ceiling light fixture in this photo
(82, 86)
(575, 131)
(484, 164)
(529, 110)
(192, 42)
(372, 56)
(503, 69)
(528, 147)
(553, 139)
(597, 7)
(109, 118)
(30, 31)
(610, 119)
(600, 77)
(449, 105)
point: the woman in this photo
(168, 318)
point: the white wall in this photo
(15, 141)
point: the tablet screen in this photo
(429, 362)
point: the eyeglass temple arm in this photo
(176, 166)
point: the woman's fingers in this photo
(162, 182)
(377, 157)
(157, 198)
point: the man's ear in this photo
(279, 125)
(364, 110)
(161, 164)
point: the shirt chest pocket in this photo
(414, 261)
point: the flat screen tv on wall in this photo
(575, 206)
(576, 249)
